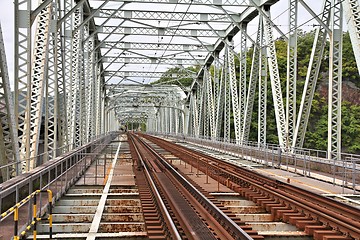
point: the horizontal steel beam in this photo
(238, 3)
(156, 46)
(160, 31)
(151, 60)
(148, 74)
(170, 16)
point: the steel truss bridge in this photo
(83, 67)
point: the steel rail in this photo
(334, 218)
(323, 202)
(219, 215)
(170, 223)
(179, 200)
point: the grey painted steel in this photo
(335, 82)
(311, 77)
(81, 47)
(8, 132)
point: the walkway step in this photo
(99, 236)
(272, 226)
(74, 209)
(260, 217)
(64, 228)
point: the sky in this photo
(279, 15)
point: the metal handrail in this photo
(20, 164)
(48, 176)
(344, 171)
(33, 223)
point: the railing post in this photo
(50, 196)
(16, 223)
(34, 216)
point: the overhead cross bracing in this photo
(134, 101)
(72, 56)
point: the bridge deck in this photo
(104, 202)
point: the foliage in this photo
(316, 135)
(350, 71)
(317, 131)
(185, 82)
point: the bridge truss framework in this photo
(84, 66)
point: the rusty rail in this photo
(284, 201)
(229, 225)
(151, 185)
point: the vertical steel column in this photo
(198, 102)
(78, 80)
(262, 86)
(154, 124)
(193, 115)
(90, 86)
(103, 103)
(216, 77)
(9, 147)
(170, 117)
(220, 100)
(158, 119)
(210, 101)
(227, 102)
(203, 121)
(181, 119)
(165, 124)
(274, 78)
(161, 124)
(60, 66)
(68, 72)
(291, 74)
(186, 120)
(55, 86)
(177, 119)
(254, 78)
(112, 120)
(205, 114)
(51, 91)
(22, 74)
(190, 117)
(233, 88)
(335, 82)
(106, 120)
(87, 75)
(38, 83)
(98, 100)
(242, 80)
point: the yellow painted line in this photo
(107, 174)
(297, 181)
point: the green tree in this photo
(316, 135)
(186, 82)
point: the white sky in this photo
(279, 9)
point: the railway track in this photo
(193, 214)
(151, 188)
(320, 217)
